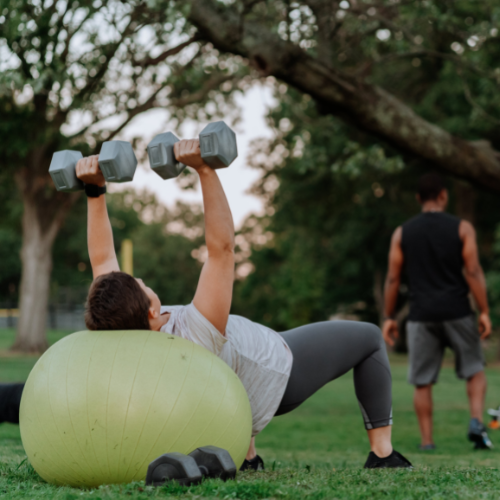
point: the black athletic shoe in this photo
(10, 400)
(255, 464)
(478, 435)
(394, 461)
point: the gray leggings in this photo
(324, 351)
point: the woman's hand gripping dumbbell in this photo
(117, 162)
(217, 143)
(89, 172)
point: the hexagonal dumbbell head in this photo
(117, 161)
(218, 145)
(214, 462)
(173, 467)
(63, 171)
(162, 158)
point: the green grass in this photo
(316, 452)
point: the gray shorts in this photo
(427, 342)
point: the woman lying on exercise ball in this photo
(278, 370)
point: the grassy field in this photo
(316, 452)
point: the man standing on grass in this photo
(439, 254)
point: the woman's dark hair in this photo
(429, 186)
(117, 302)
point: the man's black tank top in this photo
(433, 261)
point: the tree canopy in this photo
(369, 95)
(419, 75)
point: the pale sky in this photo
(236, 179)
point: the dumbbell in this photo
(217, 145)
(117, 162)
(207, 461)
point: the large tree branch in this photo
(366, 106)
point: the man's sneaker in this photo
(394, 461)
(478, 435)
(255, 464)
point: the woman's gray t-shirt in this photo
(258, 355)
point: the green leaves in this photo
(356, 159)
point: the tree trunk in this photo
(36, 257)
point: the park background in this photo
(339, 107)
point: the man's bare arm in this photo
(474, 275)
(391, 289)
(99, 232)
(393, 278)
(215, 288)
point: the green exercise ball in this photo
(98, 407)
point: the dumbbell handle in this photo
(204, 471)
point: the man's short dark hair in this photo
(429, 186)
(117, 302)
